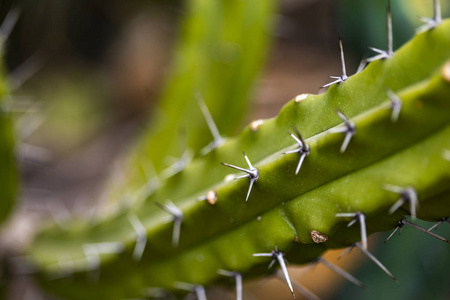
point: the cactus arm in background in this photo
(220, 50)
(225, 236)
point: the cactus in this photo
(8, 172)
(346, 153)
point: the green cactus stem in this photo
(283, 208)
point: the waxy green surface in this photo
(224, 236)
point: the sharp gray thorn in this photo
(396, 105)
(297, 132)
(92, 253)
(390, 51)
(141, 236)
(303, 148)
(178, 166)
(184, 286)
(280, 258)
(406, 222)
(299, 288)
(177, 215)
(262, 255)
(176, 232)
(341, 272)
(361, 218)
(344, 76)
(92, 259)
(362, 65)
(291, 151)
(218, 140)
(435, 226)
(304, 291)
(271, 263)
(393, 188)
(25, 71)
(430, 23)
(8, 23)
(225, 273)
(425, 27)
(349, 130)
(339, 129)
(425, 19)
(348, 137)
(309, 267)
(343, 117)
(446, 219)
(296, 138)
(351, 222)
(382, 54)
(437, 11)
(248, 161)
(300, 162)
(106, 247)
(362, 224)
(157, 292)
(379, 51)
(344, 71)
(33, 153)
(377, 57)
(398, 226)
(348, 250)
(331, 83)
(200, 292)
(375, 260)
(413, 203)
(346, 215)
(253, 174)
(171, 209)
(249, 189)
(208, 148)
(407, 194)
(237, 168)
(238, 278)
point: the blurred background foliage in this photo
(89, 76)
